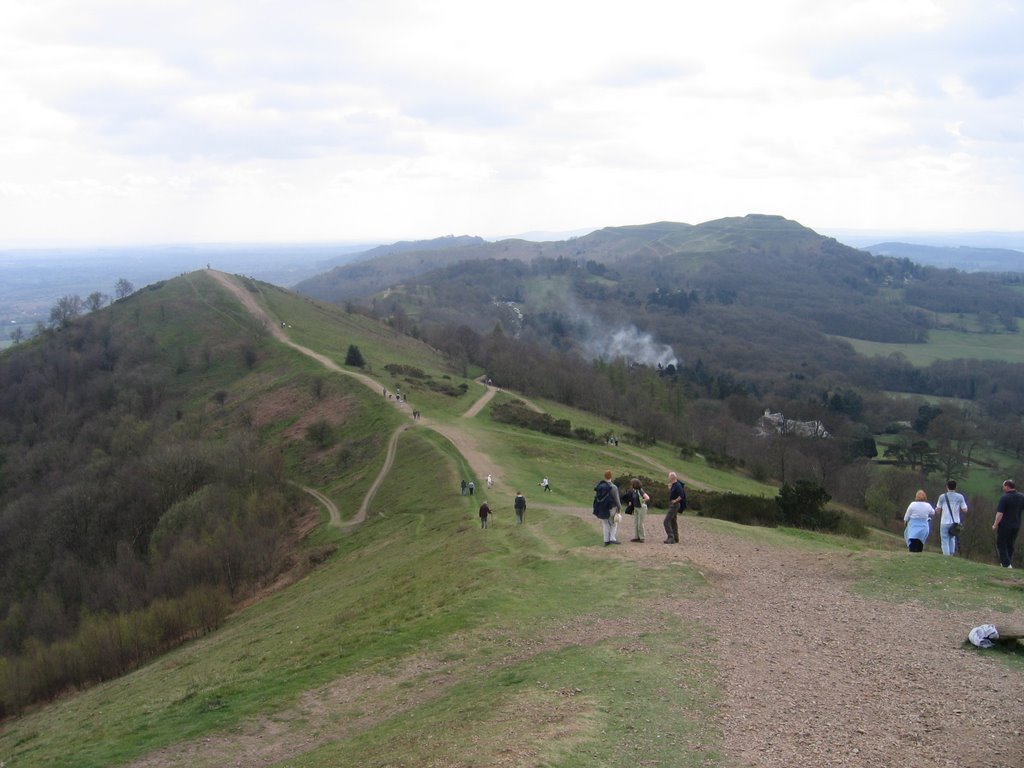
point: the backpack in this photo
(603, 500)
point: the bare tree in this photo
(95, 301)
(65, 310)
(17, 334)
(123, 288)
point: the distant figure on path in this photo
(916, 517)
(950, 508)
(472, 487)
(490, 481)
(485, 514)
(1007, 523)
(520, 507)
(545, 484)
(464, 486)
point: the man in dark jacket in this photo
(676, 505)
(1007, 522)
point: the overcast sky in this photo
(152, 121)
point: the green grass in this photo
(421, 582)
(949, 345)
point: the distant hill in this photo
(962, 257)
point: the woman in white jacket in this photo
(916, 517)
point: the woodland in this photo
(757, 311)
(134, 515)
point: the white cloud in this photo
(188, 120)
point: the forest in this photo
(133, 516)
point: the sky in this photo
(152, 121)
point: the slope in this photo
(427, 641)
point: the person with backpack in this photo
(636, 499)
(606, 505)
(520, 506)
(676, 505)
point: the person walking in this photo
(545, 484)
(606, 506)
(485, 515)
(950, 508)
(519, 503)
(472, 487)
(463, 486)
(676, 505)
(1007, 522)
(638, 498)
(490, 481)
(918, 513)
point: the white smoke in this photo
(630, 344)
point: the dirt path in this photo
(812, 674)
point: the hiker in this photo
(463, 487)
(676, 505)
(490, 481)
(916, 517)
(636, 505)
(485, 514)
(606, 507)
(472, 487)
(1007, 522)
(545, 484)
(520, 506)
(950, 508)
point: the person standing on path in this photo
(463, 486)
(606, 506)
(1007, 522)
(485, 515)
(490, 481)
(472, 487)
(520, 506)
(676, 505)
(638, 498)
(950, 508)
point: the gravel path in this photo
(815, 675)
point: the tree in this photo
(803, 505)
(95, 301)
(17, 334)
(123, 288)
(65, 310)
(354, 357)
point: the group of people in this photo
(950, 508)
(609, 505)
(518, 504)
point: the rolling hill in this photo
(421, 639)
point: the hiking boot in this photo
(670, 540)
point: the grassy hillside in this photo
(423, 639)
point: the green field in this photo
(948, 345)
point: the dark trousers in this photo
(1006, 539)
(672, 522)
